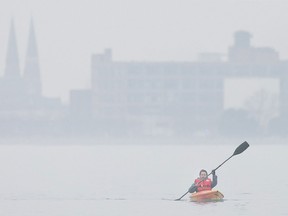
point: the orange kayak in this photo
(207, 196)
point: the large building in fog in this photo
(156, 96)
(177, 97)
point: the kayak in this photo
(207, 196)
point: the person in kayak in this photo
(203, 182)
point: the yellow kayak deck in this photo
(207, 196)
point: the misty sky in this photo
(69, 31)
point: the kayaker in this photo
(203, 182)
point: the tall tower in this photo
(12, 69)
(12, 90)
(31, 75)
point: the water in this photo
(137, 180)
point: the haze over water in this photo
(138, 179)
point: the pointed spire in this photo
(32, 71)
(12, 69)
(32, 47)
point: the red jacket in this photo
(204, 185)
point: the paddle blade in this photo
(241, 148)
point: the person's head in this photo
(203, 174)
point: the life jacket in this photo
(203, 185)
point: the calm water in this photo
(139, 179)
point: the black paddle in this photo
(241, 148)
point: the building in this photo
(157, 97)
(177, 98)
(23, 107)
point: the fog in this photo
(78, 78)
(174, 46)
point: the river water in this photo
(110, 180)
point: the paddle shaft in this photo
(182, 196)
(222, 163)
(238, 150)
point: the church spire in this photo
(31, 70)
(12, 69)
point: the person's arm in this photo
(214, 179)
(192, 189)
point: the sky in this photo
(68, 32)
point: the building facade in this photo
(177, 97)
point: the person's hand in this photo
(213, 172)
